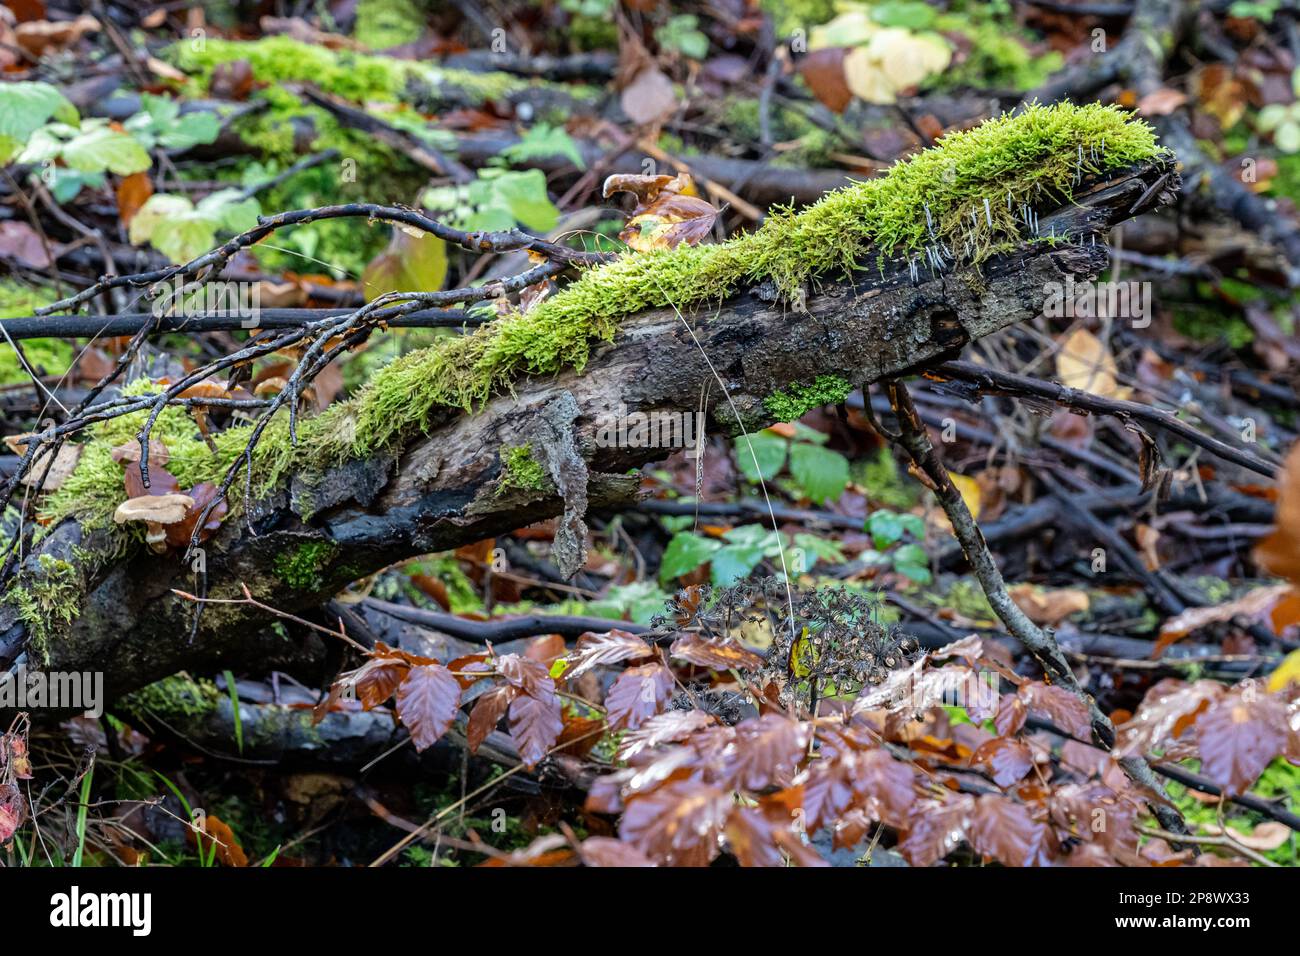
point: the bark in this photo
(444, 489)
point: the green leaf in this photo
(24, 107)
(685, 553)
(409, 264)
(910, 14)
(1287, 137)
(542, 141)
(183, 238)
(157, 208)
(817, 549)
(525, 194)
(821, 473)
(733, 563)
(911, 560)
(768, 448)
(101, 148)
(886, 527)
(229, 211)
(192, 129)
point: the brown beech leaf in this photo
(1094, 812)
(764, 751)
(531, 677)
(1003, 829)
(1279, 553)
(936, 829)
(1167, 710)
(758, 840)
(649, 98)
(1239, 735)
(606, 851)
(715, 655)
(377, 680)
(823, 71)
(1011, 715)
(161, 481)
(488, 710)
(637, 695)
(678, 824)
(132, 193)
(884, 786)
(535, 725)
(667, 214)
(611, 647)
(668, 727)
(471, 668)
(580, 734)
(22, 244)
(827, 791)
(1006, 759)
(427, 702)
(179, 534)
(1059, 706)
(545, 649)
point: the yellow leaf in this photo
(970, 492)
(1084, 362)
(1287, 673)
(866, 78)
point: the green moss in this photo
(1024, 158)
(1015, 159)
(173, 698)
(356, 76)
(47, 600)
(997, 56)
(51, 356)
(302, 568)
(519, 469)
(791, 403)
(386, 23)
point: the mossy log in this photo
(299, 545)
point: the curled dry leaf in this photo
(613, 646)
(667, 214)
(715, 655)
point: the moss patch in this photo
(46, 600)
(972, 185)
(178, 696)
(519, 469)
(302, 567)
(791, 403)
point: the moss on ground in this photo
(173, 698)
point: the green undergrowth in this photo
(356, 76)
(48, 356)
(966, 183)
